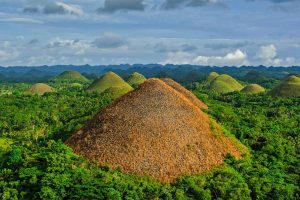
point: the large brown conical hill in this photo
(155, 131)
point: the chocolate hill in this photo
(156, 131)
(212, 76)
(136, 79)
(40, 89)
(289, 87)
(71, 76)
(225, 84)
(253, 89)
(190, 96)
(108, 80)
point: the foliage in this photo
(36, 164)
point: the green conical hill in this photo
(212, 76)
(136, 79)
(289, 87)
(225, 84)
(40, 89)
(71, 76)
(253, 89)
(108, 80)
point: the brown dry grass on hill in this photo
(189, 95)
(154, 131)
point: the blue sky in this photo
(204, 32)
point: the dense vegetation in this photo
(185, 74)
(36, 164)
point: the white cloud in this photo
(109, 40)
(6, 55)
(236, 58)
(78, 47)
(124, 5)
(58, 7)
(267, 52)
(7, 52)
(22, 20)
(38, 60)
(268, 55)
(49, 7)
(179, 57)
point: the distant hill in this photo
(110, 82)
(2, 78)
(261, 78)
(289, 87)
(156, 131)
(211, 76)
(224, 84)
(182, 73)
(254, 77)
(40, 89)
(70, 76)
(136, 79)
(253, 89)
(192, 76)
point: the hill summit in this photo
(212, 76)
(71, 76)
(156, 131)
(189, 95)
(289, 87)
(224, 84)
(253, 89)
(136, 79)
(112, 83)
(40, 89)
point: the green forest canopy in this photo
(35, 163)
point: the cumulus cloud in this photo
(282, 1)
(21, 20)
(111, 6)
(62, 8)
(227, 45)
(49, 8)
(268, 55)
(109, 40)
(236, 58)
(7, 52)
(188, 48)
(160, 48)
(7, 55)
(37, 60)
(78, 47)
(277, 1)
(267, 52)
(173, 4)
(31, 9)
(33, 41)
